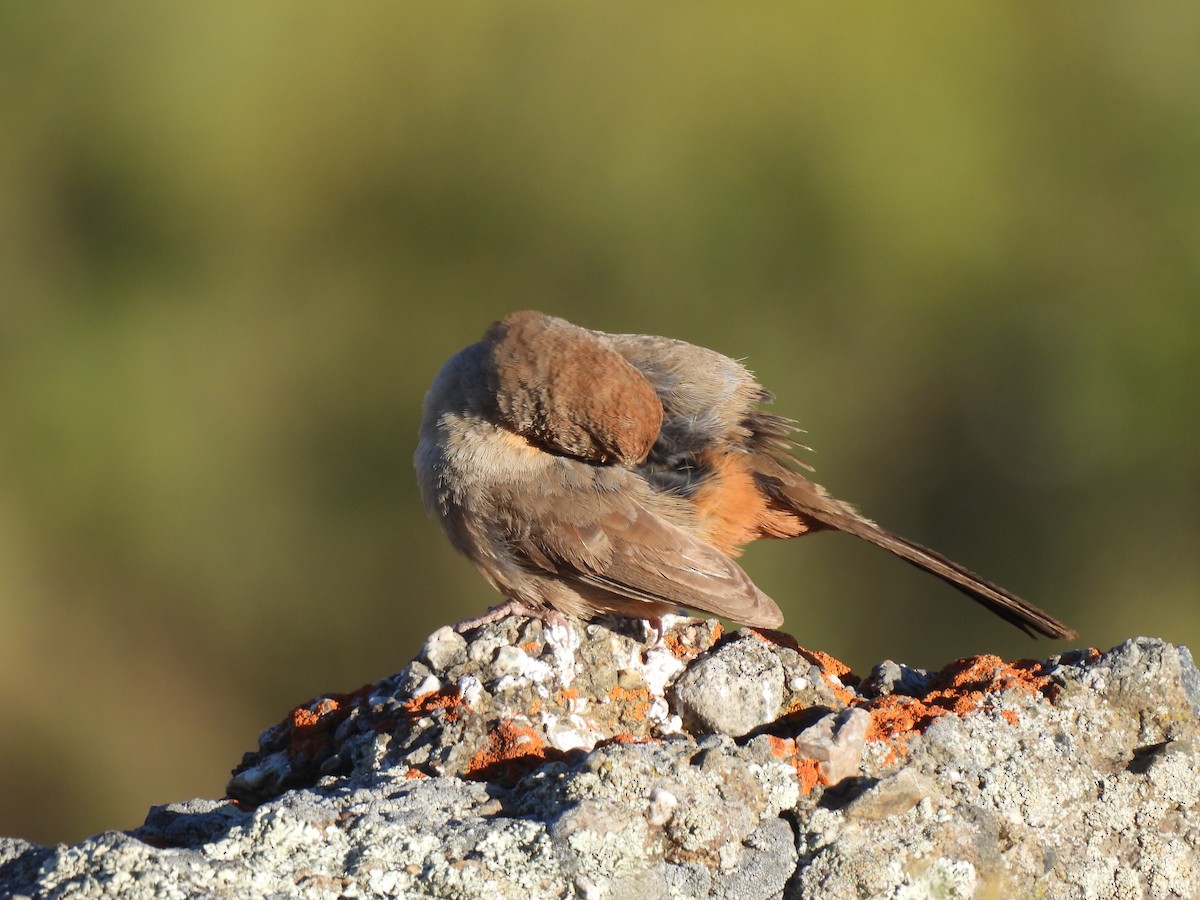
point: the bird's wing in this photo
(624, 550)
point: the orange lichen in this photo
(778, 638)
(414, 773)
(808, 771)
(781, 747)
(977, 674)
(309, 728)
(797, 706)
(566, 696)
(687, 651)
(506, 741)
(512, 750)
(531, 647)
(826, 663)
(834, 673)
(638, 700)
(305, 717)
(426, 704)
(895, 718)
(960, 689)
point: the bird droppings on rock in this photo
(597, 760)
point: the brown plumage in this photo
(587, 472)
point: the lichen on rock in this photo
(534, 760)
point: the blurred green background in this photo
(960, 242)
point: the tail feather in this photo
(813, 503)
(1003, 603)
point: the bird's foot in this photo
(511, 607)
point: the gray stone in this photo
(893, 678)
(836, 743)
(732, 690)
(444, 648)
(536, 761)
(891, 796)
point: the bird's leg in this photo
(657, 627)
(510, 607)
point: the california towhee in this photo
(587, 472)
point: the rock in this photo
(893, 678)
(731, 690)
(891, 796)
(443, 649)
(836, 743)
(541, 761)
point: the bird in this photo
(587, 473)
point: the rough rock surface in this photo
(525, 760)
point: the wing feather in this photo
(629, 552)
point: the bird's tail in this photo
(813, 503)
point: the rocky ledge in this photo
(529, 760)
